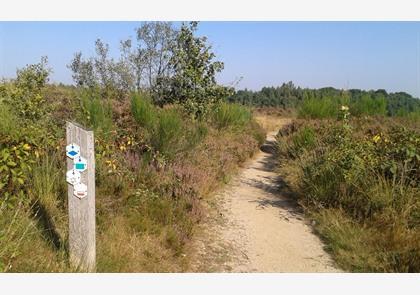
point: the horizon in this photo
(342, 55)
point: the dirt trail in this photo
(255, 226)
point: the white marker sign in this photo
(80, 190)
(72, 150)
(73, 177)
(80, 164)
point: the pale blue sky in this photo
(367, 55)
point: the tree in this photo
(194, 72)
(149, 57)
(111, 77)
(26, 96)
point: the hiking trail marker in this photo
(72, 150)
(80, 164)
(80, 177)
(73, 177)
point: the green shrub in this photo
(9, 122)
(97, 113)
(168, 130)
(144, 112)
(228, 115)
(368, 105)
(304, 139)
(25, 93)
(319, 108)
(168, 136)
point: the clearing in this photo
(253, 224)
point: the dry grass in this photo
(268, 118)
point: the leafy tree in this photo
(26, 93)
(194, 73)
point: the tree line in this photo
(362, 101)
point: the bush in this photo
(26, 92)
(319, 108)
(168, 135)
(368, 181)
(368, 105)
(229, 115)
(144, 112)
(97, 113)
(304, 139)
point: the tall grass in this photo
(230, 115)
(168, 130)
(168, 135)
(9, 123)
(33, 231)
(319, 108)
(98, 113)
(144, 112)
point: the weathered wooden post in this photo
(81, 197)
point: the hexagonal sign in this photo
(73, 177)
(79, 164)
(80, 190)
(72, 150)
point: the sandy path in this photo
(254, 226)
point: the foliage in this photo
(194, 80)
(112, 77)
(15, 164)
(322, 102)
(285, 96)
(143, 111)
(366, 179)
(322, 108)
(303, 140)
(168, 134)
(25, 92)
(97, 113)
(166, 129)
(230, 115)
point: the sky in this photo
(345, 55)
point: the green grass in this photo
(144, 112)
(9, 122)
(229, 115)
(98, 114)
(319, 108)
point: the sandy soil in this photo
(253, 225)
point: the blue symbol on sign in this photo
(72, 150)
(80, 164)
(73, 153)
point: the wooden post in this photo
(82, 240)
